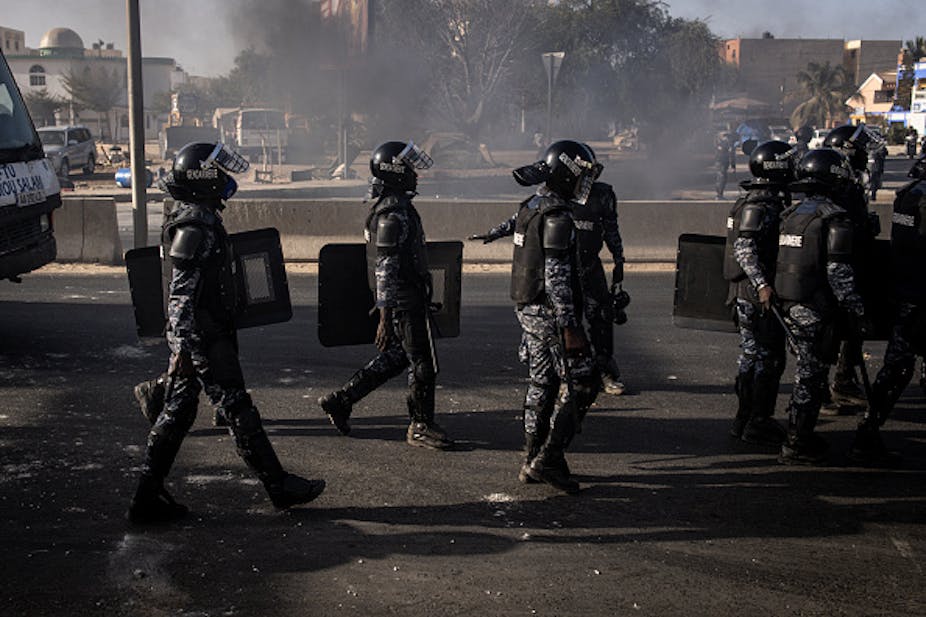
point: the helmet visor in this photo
(584, 187)
(226, 159)
(415, 157)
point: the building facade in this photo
(767, 68)
(62, 53)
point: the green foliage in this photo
(95, 88)
(913, 51)
(825, 89)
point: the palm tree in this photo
(913, 52)
(826, 89)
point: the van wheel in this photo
(65, 170)
(91, 164)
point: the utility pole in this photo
(136, 126)
(552, 60)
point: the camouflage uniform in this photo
(811, 321)
(401, 284)
(908, 335)
(596, 224)
(202, 339)
(762, 341)
(550, 413)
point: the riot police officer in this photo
(749, 265)
(202, 338)
(398, 274)
(724, 159)
(596, 226)
(908, 336)
(814, 278)
(546, 289)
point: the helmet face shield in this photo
(531, 175)
(584, 187)
(415, 157)
(226, 159)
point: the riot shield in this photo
(700, 288)
(345, 301)
(260, 278)
(875, 286)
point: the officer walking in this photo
(908, 336)
(596, 226)
(547, 292)
(396, 254)
(724, 159)
(814, 278)
(749, 264)
(854, 142)
(202, 338)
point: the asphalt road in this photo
(675, 517)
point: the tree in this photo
(913, 51)
(469, 48)
(43, 106)
(826, 89)
(97, 89)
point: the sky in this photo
(198, 33)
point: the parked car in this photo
(818, 136)
(780, 133)
(69, 147)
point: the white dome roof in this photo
(61, 38)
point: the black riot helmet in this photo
(853, 141)
(772, 161)
(803, 134)
(202, 171)
(918, 171)
(395, 162)
(572, 169)
(823, 170)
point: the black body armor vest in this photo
(218, 291)
(587, 219)
(766, 239)
(527, 266)
(908, 243)
(414, 276)
(800, 276)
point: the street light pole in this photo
(552, 60)
(136, 126)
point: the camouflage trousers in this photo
(545, 403)
(762, 341)
(212, 367)
(906, 342)
(808, 328)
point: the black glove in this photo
(484, 237)
(617, 275)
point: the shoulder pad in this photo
(185, 243)
(388, 231)
(828, 209)
(839, 240)
(752, 218)
(558, 231)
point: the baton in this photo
(427, 321)
(792, 340)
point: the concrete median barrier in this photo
(650, 229)
(86, 231)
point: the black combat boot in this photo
(550, 463)
(762, 429)
(150, 396)
(423, 431)
(152, 504)
(254, 446)
(532, 445)
(803, 446)
(743, 387)
(338, 404)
